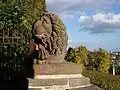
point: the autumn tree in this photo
(71, 55)
(82, 53)
(78, 55)
(99, 60)
(93, 62)
(105, 60)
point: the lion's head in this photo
(50, 32)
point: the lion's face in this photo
(43, 27)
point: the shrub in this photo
(103, 80)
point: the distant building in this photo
(117, 53)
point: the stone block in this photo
(73, 82)
(56, 69)
(47, 82)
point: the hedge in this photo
(103, 80)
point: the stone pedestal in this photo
(65, 76)
(56, 69)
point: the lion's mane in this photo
(55, 38)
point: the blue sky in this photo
(93, 23)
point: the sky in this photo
(93, 23)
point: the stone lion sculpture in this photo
(50, 38)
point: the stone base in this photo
(62, 82)
(57, 69)
(59, 82)
(64, 76)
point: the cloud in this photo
(66, 16)
(100, 22)
(78, 6)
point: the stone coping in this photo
(58, 76)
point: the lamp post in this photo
(113, 63)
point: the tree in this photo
(105, 60)
(16, 19)
(71, 55)
(99, 60)
(82, 53)
(78, 55)
(93, 62)
(39, 8)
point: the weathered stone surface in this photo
(50, 38)
(92, 87)
(55, 69)
(47, 82)
(79, 81)
(47, 87)
(57, 88)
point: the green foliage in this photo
(99, 60)
(117, 68)
(39, 8)
(71, 55)
(77, 55)
(20, 14)
(16, 19)
(104, 57)
(82, 53)
(103, 80)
